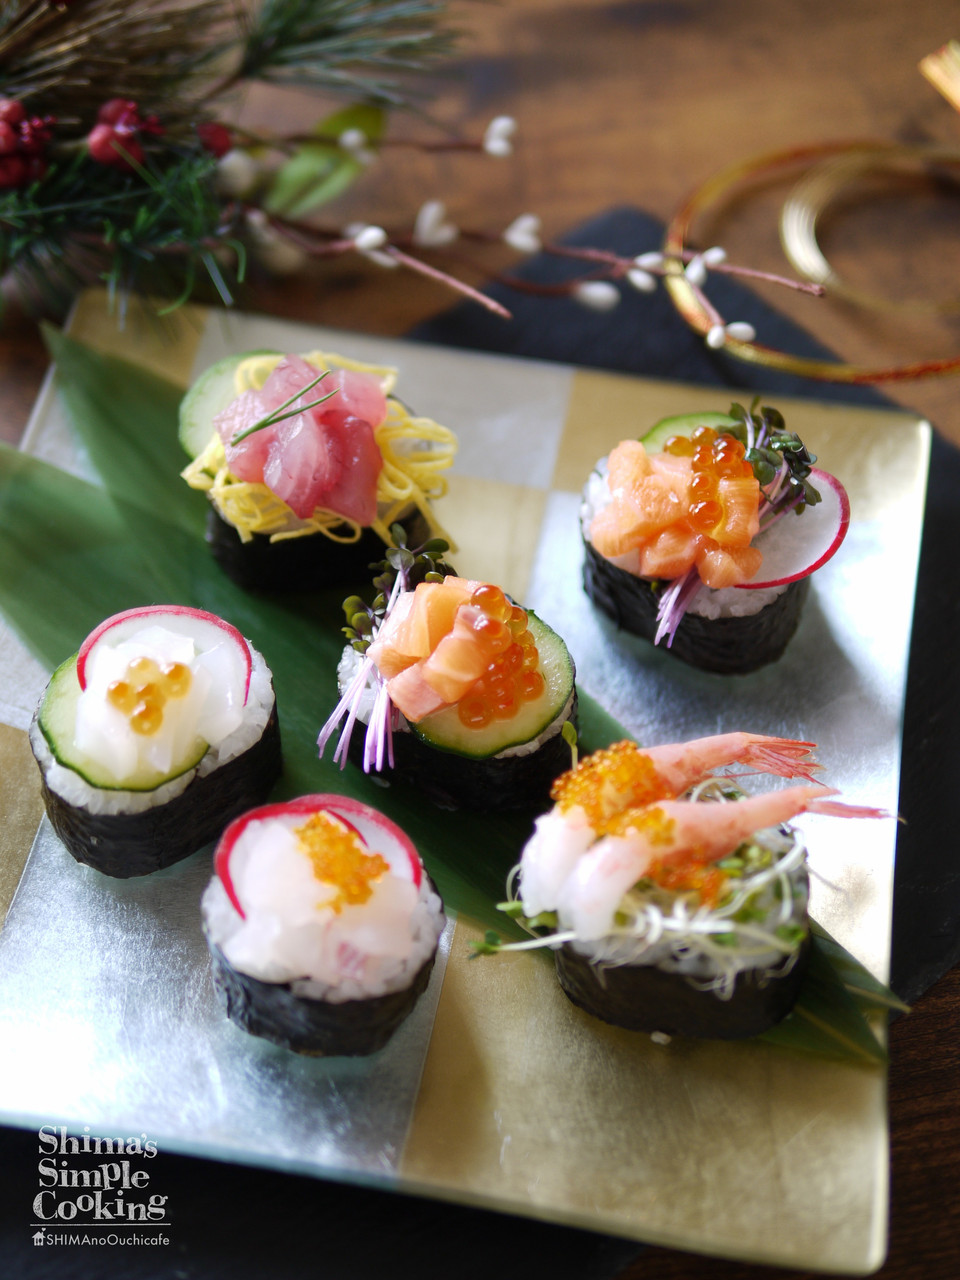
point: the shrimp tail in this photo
(836, 809)
(784, 757)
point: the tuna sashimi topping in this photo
(322, 457)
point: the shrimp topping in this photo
(619, 823)
(628, 777)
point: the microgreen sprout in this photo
(569, 735)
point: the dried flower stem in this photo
(407, 260)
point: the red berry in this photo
(11, 111)
(117, 110)
(35, 134)
(217, 138)
(103, 141)
(8, 139)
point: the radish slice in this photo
(795, 546)
(205, 629)
(376, 832)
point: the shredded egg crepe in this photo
(415, 451)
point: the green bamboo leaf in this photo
(870, 994)
(66, 561)
(826, 1020)
(122, 414)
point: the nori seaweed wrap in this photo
(727, 645)
(310, 563)
(159, 732)
(322, 925)
(674, 903)
(685, 539)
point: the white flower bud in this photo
(696, 272)
(598, 295)
(352, 140)
(649, 261)
(237, 173)
(714, 256)
(523, 233)
(432, 228)
(717, 337)
(369, 237)
(356, 231)
(498, 136)
(742, 331)
(642, 280)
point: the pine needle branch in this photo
(355, 46)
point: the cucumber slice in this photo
(208, 396)
(445, 731)
(683, 424)
(57, 718)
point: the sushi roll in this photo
(686, 544)
(322, 924)
(460, 692)
(307, 462)
(150, 739)
(675, 903)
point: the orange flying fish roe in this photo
(604, 784)
(707, 882)
(340, 858)
(649, 821)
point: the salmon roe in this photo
(512, 676)
(143, 691)
(340, 858)
(714, 456)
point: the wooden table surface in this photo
(637, 102)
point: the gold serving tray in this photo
(501, 1093)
